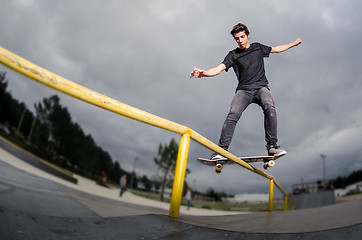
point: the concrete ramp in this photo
(297, 221)
(33, 207)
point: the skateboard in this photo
(269, 161)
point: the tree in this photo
(12, 111)
(166, 162)
(54, 136)
(4, 97)
(342, 182)
(58, 121)
(147, 183)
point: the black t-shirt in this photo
(248, 65)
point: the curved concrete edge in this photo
(31, 159)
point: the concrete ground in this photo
(37, 205)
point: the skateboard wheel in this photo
(266, 166)
(218, 168)
(271, 163)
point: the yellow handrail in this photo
(61, 84)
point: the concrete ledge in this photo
(312, 200)
(33, 160)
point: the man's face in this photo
(242, 40)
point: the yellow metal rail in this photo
(59, 83)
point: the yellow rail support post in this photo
(286, 203)
(271, 195)
(180, 170)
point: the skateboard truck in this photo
(269, 164)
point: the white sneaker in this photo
(216, 156)
(276, 151)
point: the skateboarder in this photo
(248, 64)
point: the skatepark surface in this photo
(37, 205)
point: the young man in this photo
(248, 64)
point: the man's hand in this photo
(197, 73)
(297, 42)
(282, 48)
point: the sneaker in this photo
(216, 156)
(276, 151)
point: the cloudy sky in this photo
(141, 53)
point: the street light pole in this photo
(20, 122)
(133, 172)
(31, 130)
(324, 166)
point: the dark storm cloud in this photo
(141, 53)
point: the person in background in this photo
(188, 198)
(123, 184)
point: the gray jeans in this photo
(241, 100)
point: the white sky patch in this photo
(328, 19)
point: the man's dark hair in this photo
(239, 28)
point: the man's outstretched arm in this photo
(282, 48)
(199, 73)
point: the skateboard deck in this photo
(269, 161)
